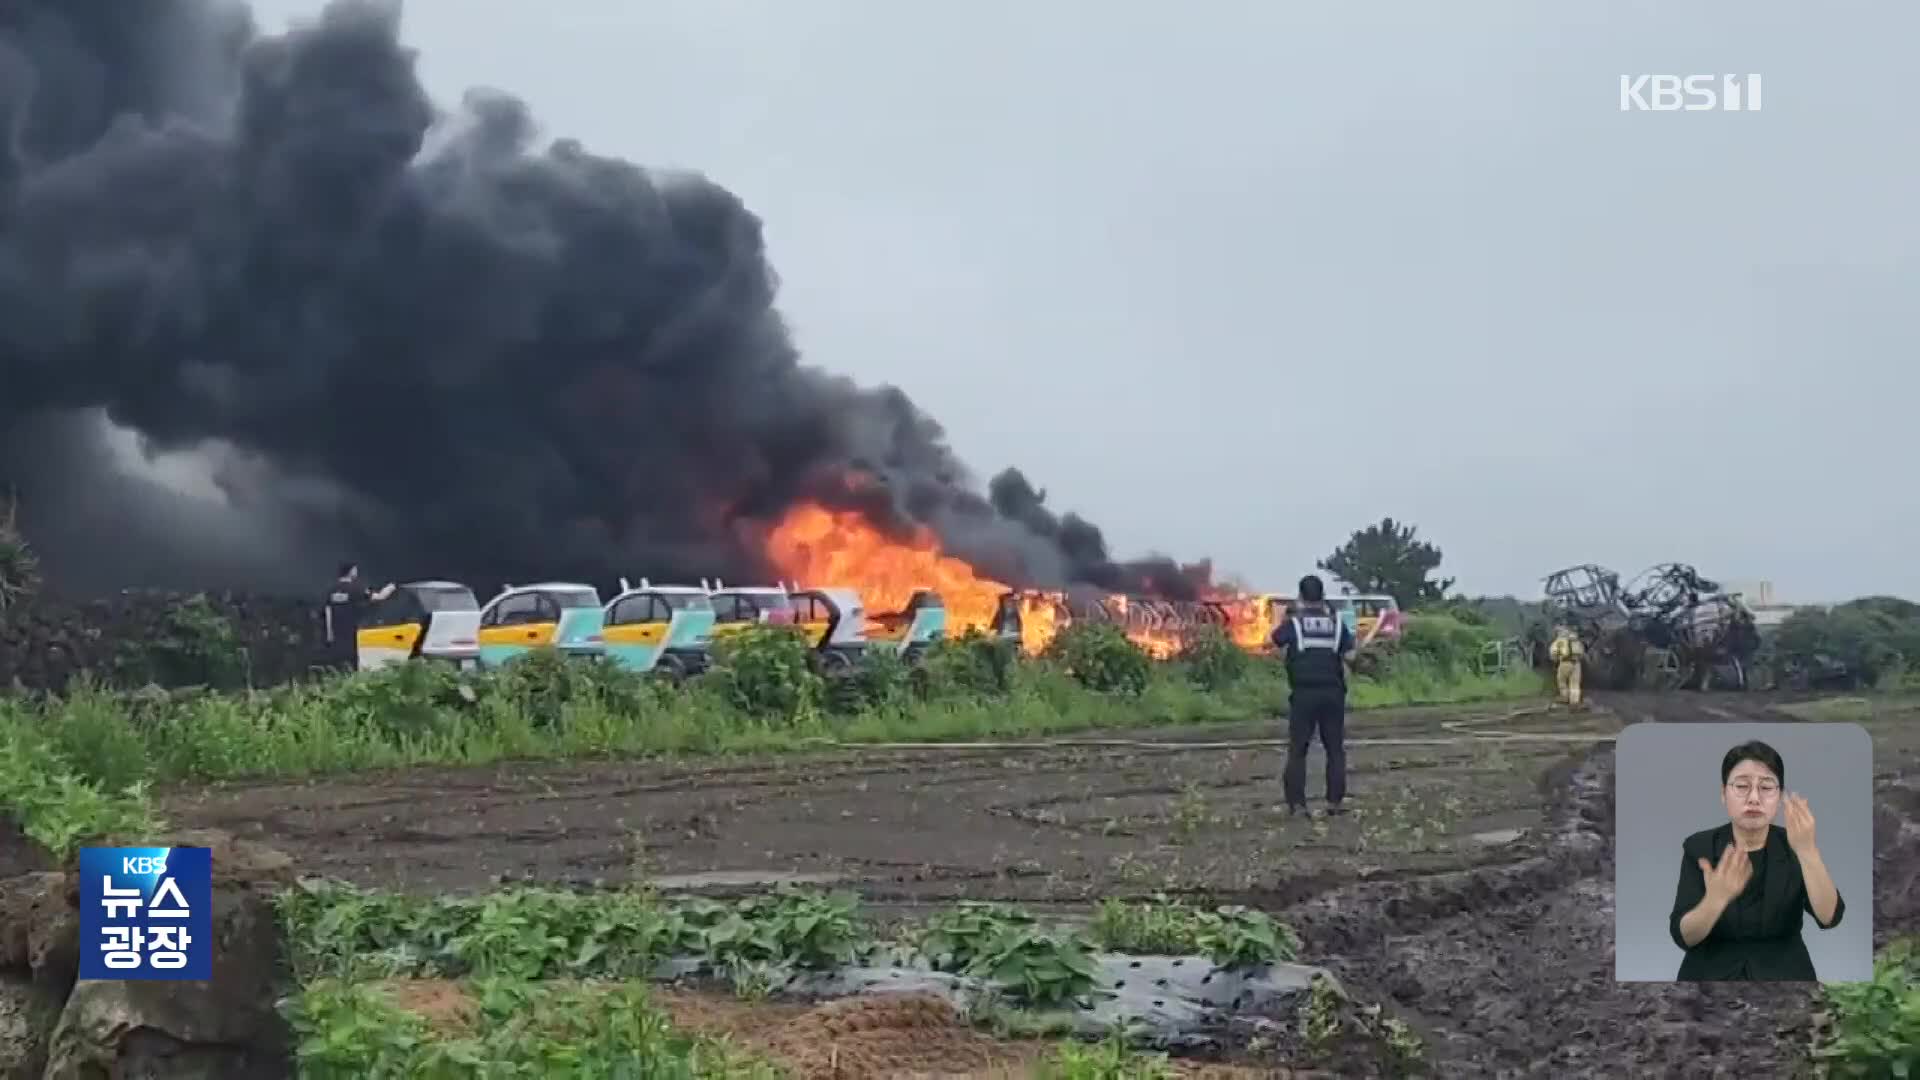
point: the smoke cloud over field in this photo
(418, 338)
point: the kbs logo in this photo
(1689, 93)
(146, 913)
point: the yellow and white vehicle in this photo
(736, 608)
(835, 624)
(552, 615)
(662, 629)
(422, 620)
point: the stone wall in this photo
(226, 640)
(56, 1028)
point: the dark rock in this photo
(225, 1027)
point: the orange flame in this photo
(819, 547)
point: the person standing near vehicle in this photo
(345, 603)
(1569, 655)
(1316, 644)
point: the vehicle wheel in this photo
(670, 669)
(835, 663)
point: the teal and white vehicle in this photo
(662, 629)
(561, 615)
(913, 628)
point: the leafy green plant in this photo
(1102, 658)
(764, 671)
(1109, 1059)
(58, 810)
(584, 1031)
(974, 665)
(1442, 642)
(789, 928)
(337, 930)
(1025, 962)
(1232, 937)
(194, 646)
(953, 940)
(881, 680)
(1872, 1029)
(1213, 660)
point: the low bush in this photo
(1867, 642)
(1872, 1029)
(1101, 658)
(1213, 660)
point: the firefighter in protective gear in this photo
(1568, 653)
(1316, 643)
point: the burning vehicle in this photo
(1666, 628)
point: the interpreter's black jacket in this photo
(1758, 936)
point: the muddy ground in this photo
(1470, 888)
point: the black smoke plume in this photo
(418, 339)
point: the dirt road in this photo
(1470, 889)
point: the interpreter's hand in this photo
(1799, 824)
(1726, 878)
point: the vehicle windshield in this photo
(569, 599)
(687, 601)
(446, 598)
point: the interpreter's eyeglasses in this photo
(1744, 788)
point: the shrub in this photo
(1101, 658)
(882, 680)
(195, 646)
(1442, 642)
(1858, 644)
(764, 671)
(1213, 660)
(1872, 1029)
(974, 665)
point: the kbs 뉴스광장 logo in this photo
(146, 913)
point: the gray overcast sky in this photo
(1160, 255)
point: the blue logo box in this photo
(146, 913)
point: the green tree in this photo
(1389, 558)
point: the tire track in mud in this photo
(1508, 971)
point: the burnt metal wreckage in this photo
(1667, 628)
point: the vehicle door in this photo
(513, 626)
(392, 633)
(453, 625)
(690, 624)
(635, 631)
(578, 619)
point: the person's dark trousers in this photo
(1325, 712)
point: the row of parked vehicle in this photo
(663, 629)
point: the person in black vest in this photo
(1315, 643)
(345, 603)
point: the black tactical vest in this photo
(1314, 661)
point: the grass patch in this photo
(360, 1031)
(1229, 936)
(550, 708)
